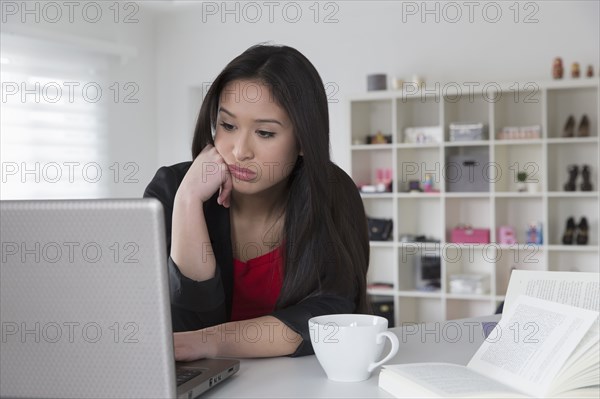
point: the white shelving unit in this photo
(547, 104)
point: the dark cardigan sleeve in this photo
(194, 304)
(296, 316)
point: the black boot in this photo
(586, 185)
(573, 171)
(582, 232)
(569, 232)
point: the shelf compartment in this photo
(560, 209)
(465, 108)
(381, 268)
(379, 208)
(520, 257)
(479, 260)
(574, 261)
(370, 117)
(420, 217)
(416, 164)
(419, 310)
(366, 163)
(467, 169)
(560, 156)
(465, 308)
(571, 101)
(384, 306)
(509, 160)
(411, 257)
(518, 213)
(518, 109)
(466, 210)
(421, 111)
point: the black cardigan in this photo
(196, 305)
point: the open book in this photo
(540, 348)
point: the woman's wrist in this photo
(189, 197)
(210, 339)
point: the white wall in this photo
(194, 44)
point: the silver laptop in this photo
(84, 304)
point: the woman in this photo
(263, 231)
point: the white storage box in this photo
(476, 284)
(467, 131)
(520, 132)
(423, 134)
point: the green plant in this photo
(522, 177)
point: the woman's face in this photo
(254, 136)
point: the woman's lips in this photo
(242, 173)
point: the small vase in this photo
(532, 187)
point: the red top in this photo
(256, 285)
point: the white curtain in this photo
(54, 127)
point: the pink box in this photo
(506, 235)
(470, 236)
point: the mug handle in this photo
(395, 346)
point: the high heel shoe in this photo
(573, 171)
(582, 232)
(584, 127)
(567, 238)
(586, 185)
(569, 130)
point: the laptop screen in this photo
(85, 302)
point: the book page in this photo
(443, 379)
(571, 288)
(531, 343)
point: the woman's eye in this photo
(227, 126)
(264, 134)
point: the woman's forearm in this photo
(190, 243)
(265, 336)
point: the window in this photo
(54, 123)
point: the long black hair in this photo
(325, 229)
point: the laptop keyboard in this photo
(184, 375)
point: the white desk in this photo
(451, 341)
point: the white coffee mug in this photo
(348, 345)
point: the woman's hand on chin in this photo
(208, 174)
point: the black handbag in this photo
(379, 229)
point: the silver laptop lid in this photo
(84, 300)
